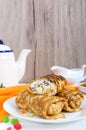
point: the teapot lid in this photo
(4, 48)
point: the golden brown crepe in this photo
(49, 84)
(48, 107)
(74, 98)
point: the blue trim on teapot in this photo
(3, 51)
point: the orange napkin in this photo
(6, 93)
(71, 86)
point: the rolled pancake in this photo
(74, 98)
(48, 107)
(49, 84)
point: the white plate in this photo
(12, 109)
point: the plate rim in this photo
(41, 120)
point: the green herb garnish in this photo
(2, 86)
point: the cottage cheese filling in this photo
(43, 87)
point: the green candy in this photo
(14, 120)
(5, 119)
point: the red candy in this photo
(9, 128)
(17, 126)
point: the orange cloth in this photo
(6, 93)
(71, 87)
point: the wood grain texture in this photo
(55, 31)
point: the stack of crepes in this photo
(47, 97)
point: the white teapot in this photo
(11, 71)
(74, 75)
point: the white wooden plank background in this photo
(55, 31)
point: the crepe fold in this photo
(49, 84)
(48, 107)
(74, 98)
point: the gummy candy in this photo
(17, 126)
(9, 128)
(5, 119)
(14, 120)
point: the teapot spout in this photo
(21, 63)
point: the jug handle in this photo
(84, 70)
(84, 73)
